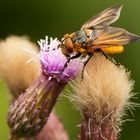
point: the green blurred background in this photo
(37, 18)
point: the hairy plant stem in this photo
(29, 113)
(91, 129)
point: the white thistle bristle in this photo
(106, 89)
(48, 44)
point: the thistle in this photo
(53, 130)
(17, 72)
(102, 98)
(29, 113)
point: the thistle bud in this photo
(29, 113)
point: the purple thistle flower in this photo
(29, 113)
(53, 60)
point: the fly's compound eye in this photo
(68, 43)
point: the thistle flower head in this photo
(53, 60)
(29, 113)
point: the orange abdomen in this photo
(113, 49)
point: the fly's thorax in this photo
(85, 37)
(79, 37)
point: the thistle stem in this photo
(93, 130)
(29, 113)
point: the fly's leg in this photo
(68, 60)
(85, 63)
(107, 57)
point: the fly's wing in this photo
(104, 18)
(113, 36)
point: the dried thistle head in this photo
(16, 68)
(103, 95)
